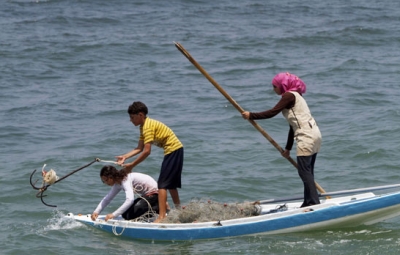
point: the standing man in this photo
(153, 132)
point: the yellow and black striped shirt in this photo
(159, 134)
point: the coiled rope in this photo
(143, 218)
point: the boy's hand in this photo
(120, 160)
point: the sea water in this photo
(70, 69)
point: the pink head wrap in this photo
(289, 82)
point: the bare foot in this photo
(158, 220)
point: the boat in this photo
(349, 208)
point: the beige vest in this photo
(306, 132)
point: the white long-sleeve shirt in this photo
(139, 183)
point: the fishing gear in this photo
(50, 178)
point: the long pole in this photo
(237, 106)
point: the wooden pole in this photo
(237, 106)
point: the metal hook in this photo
(45, 186)
(41, 189)
(42, 196)
(33, 183)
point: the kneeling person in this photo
(133, 183)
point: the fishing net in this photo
(203, 211)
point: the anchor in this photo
(50, 178)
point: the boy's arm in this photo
(121, 159)
(145, 153)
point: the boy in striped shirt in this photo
(153, 132)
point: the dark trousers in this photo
(141, 206)
(306, 172)
(171, 170)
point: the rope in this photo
(114, 230)
(51, 177)
(143, 218)
(146, 216)
(109, 161)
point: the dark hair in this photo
(111, 172)
(137, 107)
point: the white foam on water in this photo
(59, 221)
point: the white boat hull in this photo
(348, 211)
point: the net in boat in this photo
(206, 210)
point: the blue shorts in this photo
(171, 170)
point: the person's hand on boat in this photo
(94, 216)
(109, 217)
(286, 153)
(246, 115)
